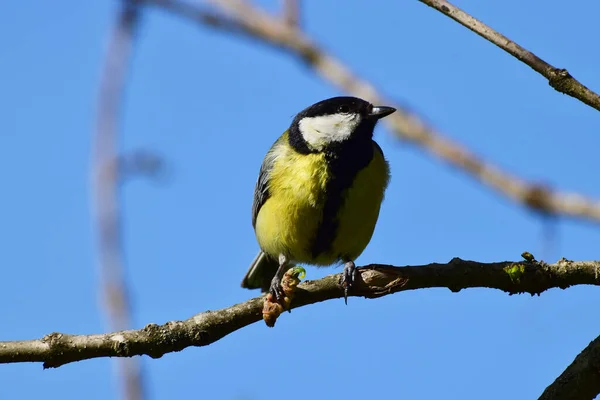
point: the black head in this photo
(333, 121)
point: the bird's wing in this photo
(261, 190)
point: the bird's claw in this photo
(276, 290)
(348, 278)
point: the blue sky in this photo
(189, 239)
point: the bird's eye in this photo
(343, 109)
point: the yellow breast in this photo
(289, 219)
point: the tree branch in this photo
(558, 78)
(106, 178)
(291, 12)
(376, 280)
(581, 379)
(241, 18)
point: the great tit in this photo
(318, 193)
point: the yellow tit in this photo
(318, 192)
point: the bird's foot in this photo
(276, 290)
(348, 278)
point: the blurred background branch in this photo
(107, 175)
(291, 12)
(241, 17)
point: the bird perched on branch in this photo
(318, 193)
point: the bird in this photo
(319, 192)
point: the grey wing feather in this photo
(261, 190)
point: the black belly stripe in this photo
(344, 161)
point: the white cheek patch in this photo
(323, 130)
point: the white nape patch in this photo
(325, 129)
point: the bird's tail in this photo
(261, 271)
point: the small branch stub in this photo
(271, 308)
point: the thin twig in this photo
(581, 379)
(244, 19)
(105, 185)
(291, 12)
(558, 78)
(533, 277)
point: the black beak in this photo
(379, 112)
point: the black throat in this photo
(344, 162)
